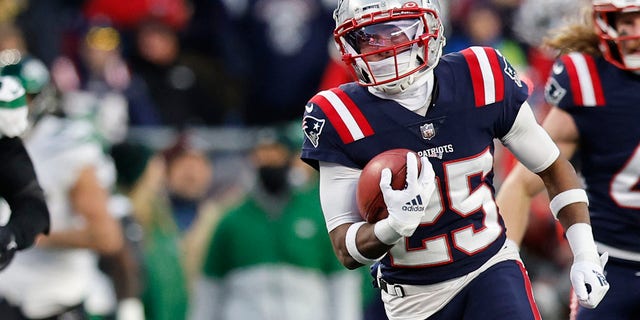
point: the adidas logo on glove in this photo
(414, 205)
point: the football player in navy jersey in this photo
(449, 259)
(594, 87)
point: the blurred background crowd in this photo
(196, 106)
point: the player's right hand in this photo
(8, 247)
(407, 207)
(588, 280)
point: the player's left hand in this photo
(8, 247)
(588, 280)
(404, 217)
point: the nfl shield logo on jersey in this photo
(428, 131)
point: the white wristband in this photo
(580, 238)
(350, 242)
(566, 198)
(385, 233)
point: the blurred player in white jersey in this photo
(52, 280)
(18, 183)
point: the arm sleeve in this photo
(338, 194)
(529, 142)
(21, 190)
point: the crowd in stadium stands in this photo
(190, 65)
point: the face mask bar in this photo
(395, 66)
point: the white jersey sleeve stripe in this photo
(487, 75)
(344, 114)
(584, 78)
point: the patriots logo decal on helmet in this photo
(312, 128)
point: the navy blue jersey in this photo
(603, 101)
(477, 96)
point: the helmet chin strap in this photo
(413, 95)
(632, 62)
(402, 85)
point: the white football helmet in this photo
(389, 43)
(611, 41)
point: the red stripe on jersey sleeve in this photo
(476, 76)
(595, 80)
(362, 122)
(574, 81)
(334, 118)
(498, 77)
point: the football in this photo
(369, 195)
